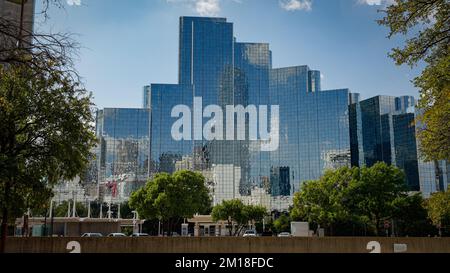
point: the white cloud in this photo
(202, 7)
(376, 2)
(73, 2)
(293, 5)
(207, 7)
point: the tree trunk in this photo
(238, 230)
(4, 229)
(230, 228)
(378, 229)
(170, 227)
(25, 232)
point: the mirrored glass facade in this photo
(314, 80)
(146, 96)
(167, 153)
(405, 149)
(314, 124)
(318, 129)
(123, 151)
(383, 129)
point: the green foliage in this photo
(229, 210)
(125, 211)
(282, 224)
(234, 211)
(429, 21)
(46, 134)
(61, 210)
(323, 201)
(438, 206)
(166, 197)
(410, 216)
(372, 196)
(349, 199)
(35, 196)
(254, 213)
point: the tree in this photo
(373, 194)
(230, 211)
(170, 197)
(410, 216)
(429, 21)
(125, 211)
(20, 44)
(235, 212)
(194, 194)
(282, 224)
(323, 201)
(438, 206)
(348, 198)
(62, 209)
(253, 214)
(46, 132)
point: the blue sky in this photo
(128, 44)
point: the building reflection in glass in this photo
(123, 151)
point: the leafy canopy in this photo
(323, 201)
(46, 134)
(182, 194)
(235, 211)
(365, 195)
(439, 208)
(427, 23)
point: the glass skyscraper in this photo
(146, 96)
(383, 129)
(318, 129)
(314, 124)
(165, 152)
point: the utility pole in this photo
(89, 209)
(74, 205)
(51, 217)
(393, 230)
(109, 209)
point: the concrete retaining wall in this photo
(229, 245)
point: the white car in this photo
(284, 234)
(92, 234)
(117, 235)
(250, 233)
(139, 235)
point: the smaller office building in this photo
(74, 227)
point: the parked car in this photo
(92, 234)
(139, 235)
(250, 233)
(116, 234)
(284, 234)
(267, 233)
